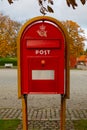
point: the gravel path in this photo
(9, 97)
(43, 110)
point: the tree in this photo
(47, 8)
(8, 35)
(77, 41)
(85, 52)
(77, 38)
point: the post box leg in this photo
(63, 112)
(24, 112)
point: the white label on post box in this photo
(43, 74)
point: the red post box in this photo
(41, 56)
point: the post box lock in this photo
(43, 62)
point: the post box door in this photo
(45, 75)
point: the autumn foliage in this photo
(8, 34)
(77, 40)
(45, 5)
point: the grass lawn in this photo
(80, 124)
(9, 124)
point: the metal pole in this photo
(63, 112)
(24, 112)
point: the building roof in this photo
(82, 58)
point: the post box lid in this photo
(42, 31)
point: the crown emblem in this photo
(42, 32)
(42, 27)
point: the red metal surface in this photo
(43, 43)
(42, 49)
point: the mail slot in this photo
(41, 53)
(52, 43)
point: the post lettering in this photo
(42, 52)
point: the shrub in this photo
(3, 61)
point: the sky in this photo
(23, 10)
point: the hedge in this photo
(3, 61)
